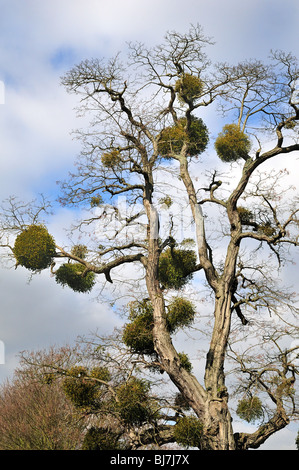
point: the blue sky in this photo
(40, 41)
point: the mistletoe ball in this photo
(34, 248)
(73, 275)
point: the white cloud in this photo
(41, 313)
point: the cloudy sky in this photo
(40, 41)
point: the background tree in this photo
(120, 406)
(147, 125)
(36, 415)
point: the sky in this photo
(39, 42)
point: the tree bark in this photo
(218, 431)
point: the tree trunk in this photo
(218, 432)
(210, 405)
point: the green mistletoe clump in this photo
(176, 267)
(188, 431)
(83, 387)
(246, 216)
(250, 409)
(133, 401)
(74, 276)
(232, 144)
(173, 138)
(111, 159)
(138, 332)
(189, 88)
(180, 313)
(34, 248)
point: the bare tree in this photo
(36, 415)
(146, 127)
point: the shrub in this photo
(250, 409)
(232, 144)
(34, 248)
(188, 431)
(176, 267)
(174, 137)
(71, 274)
